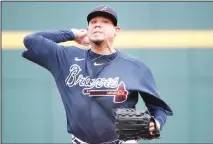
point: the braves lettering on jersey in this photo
(91, 87)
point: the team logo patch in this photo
(97, 87)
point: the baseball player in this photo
(94, 81)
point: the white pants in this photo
(76, 140)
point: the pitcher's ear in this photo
(117, 30)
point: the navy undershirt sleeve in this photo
(43, 48)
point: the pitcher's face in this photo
(101, 29)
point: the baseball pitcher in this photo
(99, 86)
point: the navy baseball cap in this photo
(103, 11)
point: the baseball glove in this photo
(134, 125)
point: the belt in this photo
(76, 140)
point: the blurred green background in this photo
(32, 110)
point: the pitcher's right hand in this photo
(81, 36)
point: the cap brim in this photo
(104, 14)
